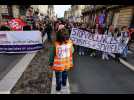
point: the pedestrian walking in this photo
(61, 59)
(49, 30)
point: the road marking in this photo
(127, 64)
(65, 90)
(112, 55)
(130, 66)
(11, 78)
(8, 82)
(130, 52)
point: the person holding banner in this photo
(81, 48)
(93, 31)
(61, 59)
(109, 31)
(119, 39)
(49, 31)
(125, 40)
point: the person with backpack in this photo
(49, 30)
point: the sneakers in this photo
(92, 54)
(103, 57)
(80, 53)
(62, 90)
(58, 92)
(58, 88)
(107, 58)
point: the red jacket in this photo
(97, 19)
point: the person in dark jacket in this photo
(49, 30)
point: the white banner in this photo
(20, 41)
(96, 41)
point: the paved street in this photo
(93, 75)
(7, 62)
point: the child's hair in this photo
(26, 28)
(4, 28)
(62, 35)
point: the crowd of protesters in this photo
(121, 33)
(34, 22)
(45, 25)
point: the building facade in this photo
(67, 14)
(12, 11)
(42, 9)
(77, 12)
(116, 15)
(50, 11)
(74, 13)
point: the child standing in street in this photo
(61, 59)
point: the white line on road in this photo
(11, 78)
(127, 64)
(8, 82)
(130, 52)
(130, 66)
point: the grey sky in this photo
(59, 9)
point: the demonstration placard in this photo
(96, 41)
(20, 41)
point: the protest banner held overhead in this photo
(96, 41)
(20, 41)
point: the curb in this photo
(11, 78)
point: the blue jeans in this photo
(61, 78)
(125, 52)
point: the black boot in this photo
(58, 88)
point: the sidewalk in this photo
(34, 79)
